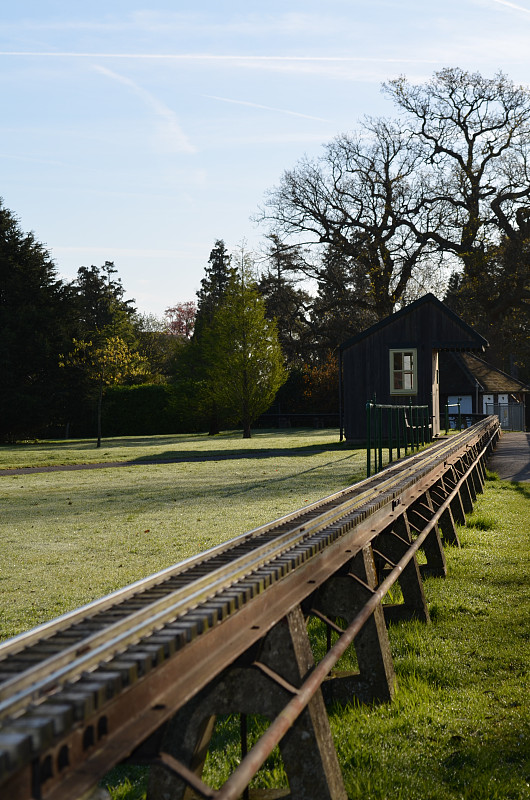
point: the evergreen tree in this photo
(498, 307)
(339, 310)
(101, 307)
(286, 303)
(245, 362)
(33, 321)
(218, 274)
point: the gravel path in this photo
(511, 458)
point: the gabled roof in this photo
(471, 340)
(492, 380)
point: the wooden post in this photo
(391, 545)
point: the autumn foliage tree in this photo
(321, 383)
(181, 319)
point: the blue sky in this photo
(140, 133)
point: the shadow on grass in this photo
(174, 456)
(475, 764)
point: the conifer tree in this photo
(33, 319)
(245, 361)
(214, 284)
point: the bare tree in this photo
(475, 135)
(362, 198)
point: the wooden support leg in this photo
(477, 477)
(307, 749)
(439, 493)
(480, 472)
(457, 507)
(392, 544)
(421, 513)
(470, 483)
(448, 528)
(342, 597)
(466, 461)
(467, 499)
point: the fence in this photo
(394, 428)
(511, 416)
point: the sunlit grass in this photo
(459, 726)
(70, 537)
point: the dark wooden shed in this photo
(397, 361)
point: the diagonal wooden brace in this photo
(393, 543)
(264, 688)
(343, 596)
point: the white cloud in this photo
(265, 108)
(171, 134)
(356, 68)
(512, 5)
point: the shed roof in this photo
(492, 380)
(471, 340)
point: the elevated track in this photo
(139, 673)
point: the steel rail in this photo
(70, 618)
(47, 629)
(114, 638)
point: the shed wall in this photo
(366, 370)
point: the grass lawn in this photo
(45, 453)
(459, 728)
(69, 537)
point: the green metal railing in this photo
(394, 428)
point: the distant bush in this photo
(147, 409)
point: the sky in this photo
(140, 133)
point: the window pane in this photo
(403, 378)
(398, 360)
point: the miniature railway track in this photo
(57, 680)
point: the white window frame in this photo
(413, 371)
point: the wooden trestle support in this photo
(272, 671)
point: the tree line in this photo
(436, 199)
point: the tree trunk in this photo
(213, 428)
(100, 402)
